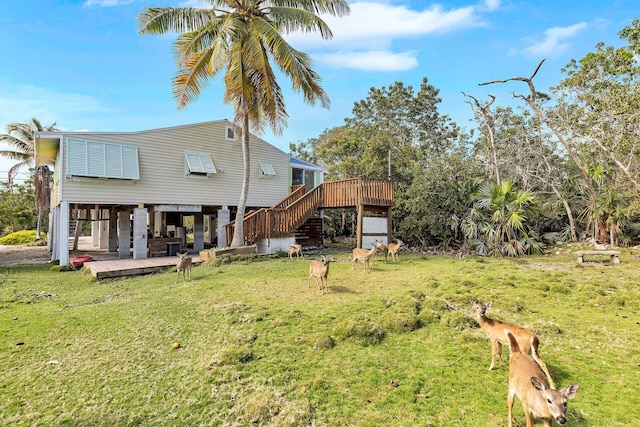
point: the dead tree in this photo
(531, 101)
(483, 109)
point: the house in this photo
(137, 188)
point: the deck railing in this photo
(289, 214)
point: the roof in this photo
(301, 164)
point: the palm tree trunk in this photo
(238, 231)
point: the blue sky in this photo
(82, 64)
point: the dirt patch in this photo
(21, 255)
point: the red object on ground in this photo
(78, 261)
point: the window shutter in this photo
(199, 163)
(102, 159)
(266, 168)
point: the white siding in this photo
(161, 155)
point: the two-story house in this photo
(138, 187)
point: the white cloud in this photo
(378, 24)
(364, 39)
(554, 42)
(105, 3)
(492, 4)
(370, 61)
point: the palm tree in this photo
(241, 37)
(21, 137)
(495, 225)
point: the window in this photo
(230, 133)
(199, 164)
(102, 159)
(267, 170)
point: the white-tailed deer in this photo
(530, 384)
(527, 340)
(295, 248)
(184, 265)
(393, 249)
(382, 249)
(320, 269)
(364, 255)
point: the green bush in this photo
(24, 237)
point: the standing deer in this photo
(363, 255)
(295, 248)
(527, 340)
(529, 383)
(184, 265)
(320, 269)
(393, 249)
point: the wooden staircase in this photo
(286, 216)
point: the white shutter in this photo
(199, 163)
(76, 157)
(102, 159)
(266, 168)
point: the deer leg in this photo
(494, 345)
(510, 408)
(529, 417)
(499, 347)
(543, 366)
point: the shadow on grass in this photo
(341, 290)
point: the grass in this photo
(397, 346)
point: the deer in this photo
(295, 248)
(530, 385)
(184, 265)
(527, 340)
(383, 250)
(320, 269)
(393, 249)
(364, 255)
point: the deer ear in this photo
(571, 391)
(489, 304)
(537, 384)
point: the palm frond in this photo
(189, 80)
(161, 20)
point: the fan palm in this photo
(496, 222)
(21, 137)
(240, 38)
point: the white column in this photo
(63, 233)
(224, 217)
(140, 233)
(95, 227)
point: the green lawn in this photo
(397, 346)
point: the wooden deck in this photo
(131, 267)
(289, 214)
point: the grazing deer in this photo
(184, 265)
(527, 340)
(363, 255)
(393, 249)
(383, 250)
(320, 269)
(295, 248)
(529, 383)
